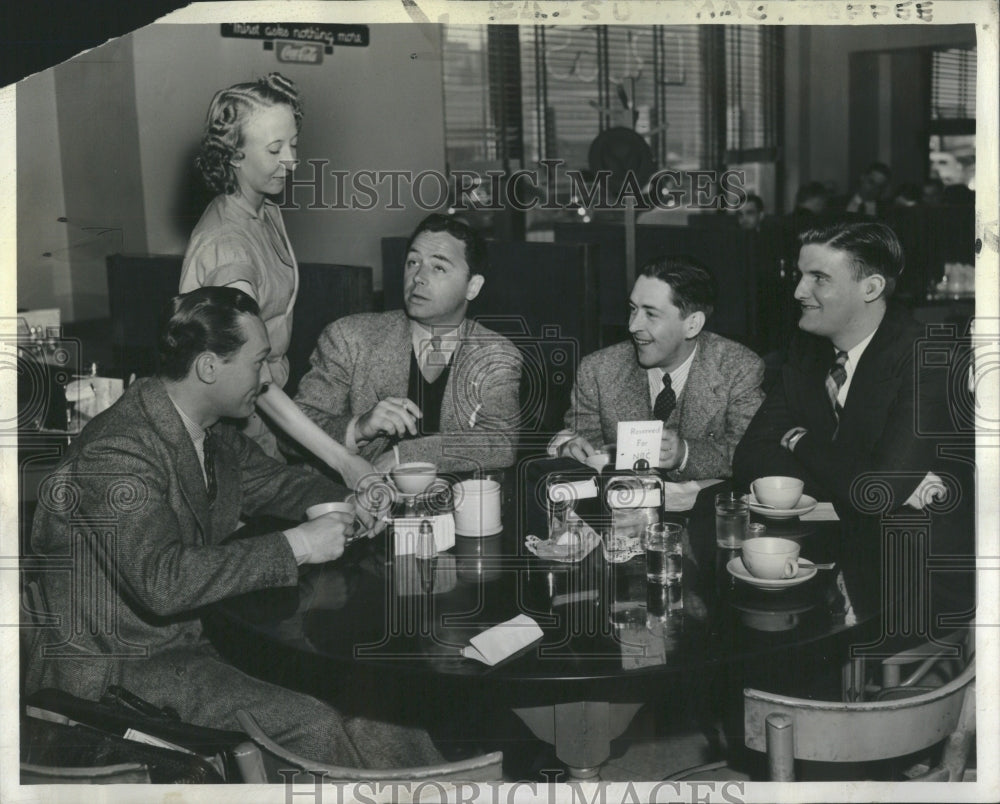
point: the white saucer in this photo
(806, 504)
(738, 570)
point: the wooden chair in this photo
(484, 768)
(796, 728)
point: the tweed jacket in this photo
(720, 397)
(361, 359)
(128, 514)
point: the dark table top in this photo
(372, 612)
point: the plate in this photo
(738, 570)
(806, 504)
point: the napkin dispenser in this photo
(406, 528)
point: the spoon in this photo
(829, 566)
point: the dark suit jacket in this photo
(897, 425)
(128, 513)
(361, 359)
(721, 395)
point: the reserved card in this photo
(639, 440)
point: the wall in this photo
(817, 101)
(43, 275)
(373, 108)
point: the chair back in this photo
(831, 731)
(484, 768)
(139, 285)
(326, 292)
(544, 297)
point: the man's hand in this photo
(671, 450)
(324, 536)
(577, 447)
(356, 471)
(393, 416)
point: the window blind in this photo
(953, 84)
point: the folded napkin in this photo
(573, 490)
(407, 529)
(823, 512)
(681, 496)
(501, 641)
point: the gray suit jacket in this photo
(361, 359)
(128, 513)
(720, 397)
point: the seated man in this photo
(869, 197)
(424, 384)
(142, 506)
(852, 413)
(704, 387)
(751, 214)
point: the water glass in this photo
(732, 516)
(664, 545)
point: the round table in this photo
(605, 649)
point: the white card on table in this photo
(501, 641)
(639, 440)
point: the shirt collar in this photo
(854, 354)
(421, 338)
(195, 430)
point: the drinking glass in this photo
(664, 543)
(732, 516)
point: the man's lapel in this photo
(702, 397)
(632, 398)
(391, 372)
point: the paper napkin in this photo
(823, 512)
(501, 641)
(681, 496)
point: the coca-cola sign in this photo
(299, 53)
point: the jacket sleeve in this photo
(584, 414)
(146, 554)
(712, 455)
(324, 391)
(487, 413)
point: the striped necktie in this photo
(835, 380)
(435, 360)
(666, 400)
(208, 449)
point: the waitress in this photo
(247, 151)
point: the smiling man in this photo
(857, 416)
(704, 387)
(168, 480)
(424, 384)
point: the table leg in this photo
(581, 731)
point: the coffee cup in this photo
(321, 509)
(777, 491)
(414, 477)
(477, 507)
(771, 558)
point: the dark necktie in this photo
(666, 400)
(209, 452)
(835, 380)
(434, 361)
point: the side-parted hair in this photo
(227, 114)
(874, 248)
(692, 286)
(475, 243)
(204, 320)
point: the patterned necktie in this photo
(209, 453)
(666, 400)
(835, 380)
(434, 360)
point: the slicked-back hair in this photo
(208, 319)
(227, 114)
(474, 242)
(873, 247)
(692, 286)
